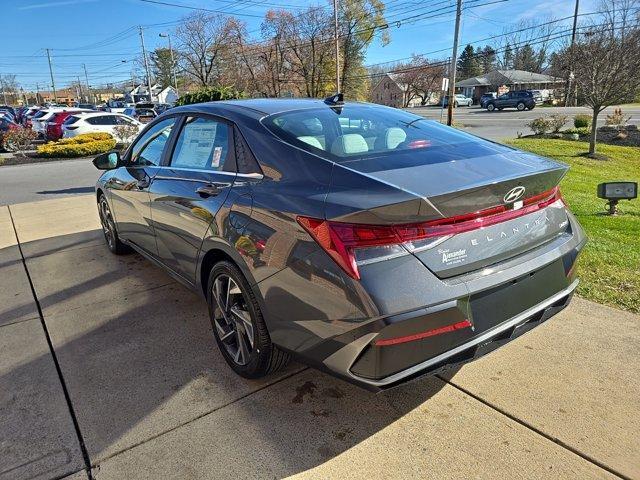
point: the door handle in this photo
(208, 191)
(141, 184)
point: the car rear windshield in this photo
(356, 131)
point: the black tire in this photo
(491, 107)
(253, 360)
(109, 228)
(521, 106)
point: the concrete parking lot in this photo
(108, 368)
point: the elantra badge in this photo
(514, 194)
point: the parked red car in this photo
(54, 125)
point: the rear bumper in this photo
(466, 352)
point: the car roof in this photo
(86, 114)
(257, 107)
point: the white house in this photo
(168, 95)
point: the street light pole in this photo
(173, 62)
(454, 59)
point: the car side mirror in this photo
(107, 161)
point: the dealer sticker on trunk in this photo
(453, 257)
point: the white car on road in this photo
(96, 122)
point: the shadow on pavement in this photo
(68, 191)
(139, 359)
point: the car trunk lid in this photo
(490, 190)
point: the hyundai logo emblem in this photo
(514, 194)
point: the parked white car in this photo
(39, 120)
(96, 122)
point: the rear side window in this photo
(70, 120)
(356, 131)
(202, 144)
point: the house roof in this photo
(394, 77)
(507, 77)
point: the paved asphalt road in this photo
(28, 183)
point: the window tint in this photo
(148, 149)
(94, 121)
(203, 144)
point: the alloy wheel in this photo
(108, 227)
(232, 319)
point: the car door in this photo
(189, 190)
(129, 185)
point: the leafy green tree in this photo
(358, 23)
(469, 63)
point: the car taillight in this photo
(342, 240)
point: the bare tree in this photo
(421, 79)
(204, 39)
(605, 59)
(306, 38)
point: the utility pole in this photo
(146, 64)
(335, 34)
(567, 85)
(80, 92)
(37, 93)
(452, 68)
(53, 83)
(86, 79)
(173, 62)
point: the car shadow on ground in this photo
(137, 354)
(68, 191)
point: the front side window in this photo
(202, 144)
(149, 147)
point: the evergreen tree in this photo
(507, 58)
(526, 59)
(488, 59)
(469, 63)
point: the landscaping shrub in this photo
(80, 146)
(617, 118)
(539, 125)
(18, 140)
(582, 120)
(582, 131)
(557, 121)
(209, 94)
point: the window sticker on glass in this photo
(196, 144)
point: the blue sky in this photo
(83, 31)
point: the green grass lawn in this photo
(609, 267)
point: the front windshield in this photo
(355, 131)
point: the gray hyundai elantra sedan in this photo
(362, 240)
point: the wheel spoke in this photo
(223, 333)
(242, 346)
(243, 318)
(217, 290)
